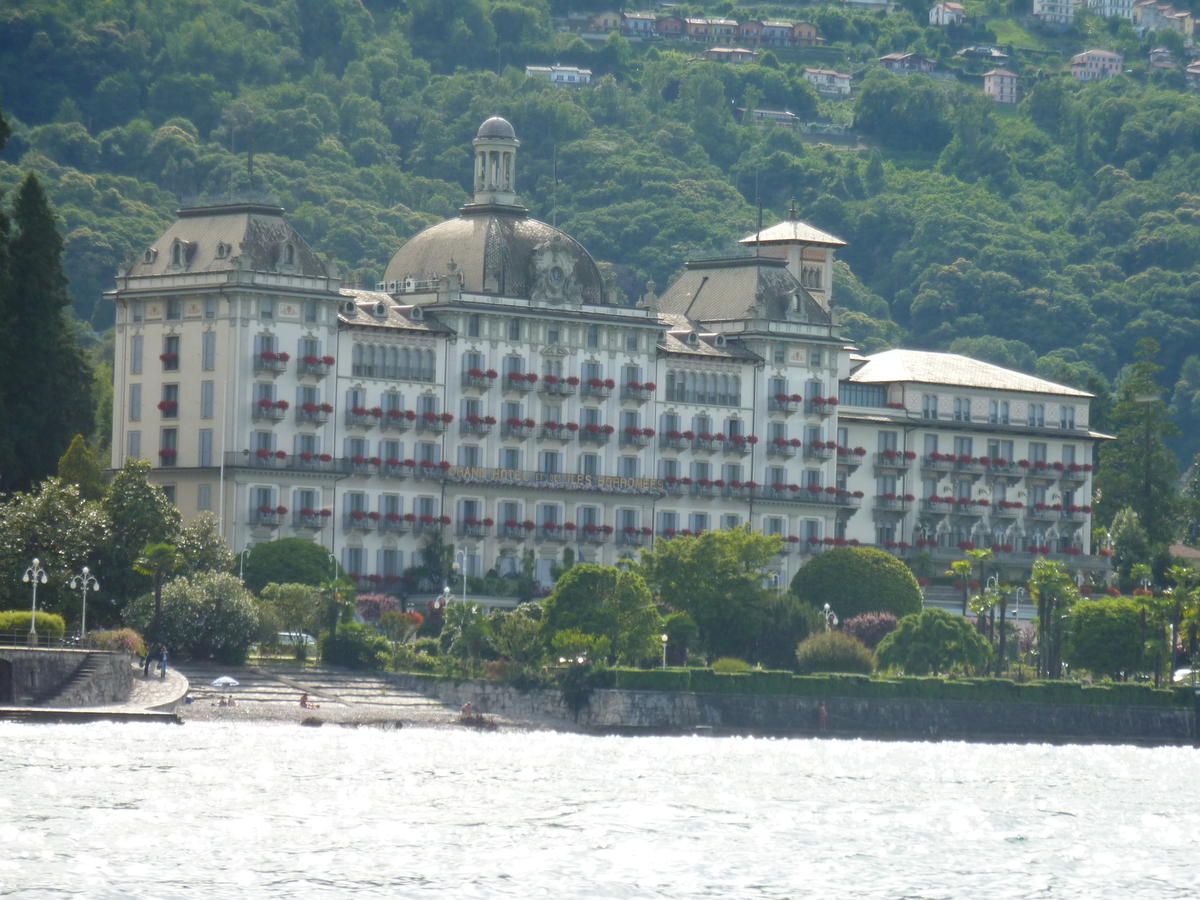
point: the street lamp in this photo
(242, 565)
(35, 574)
(831, 618)
(84, 580)
(463, 569)
(664, 640)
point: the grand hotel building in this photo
(495, 390)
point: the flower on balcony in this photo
(358, 410)
(889, 497)
(688, 435)
(647, 530)
(282, 404)
(923, 543)
(374, 516)
(328, 360)
(568, 526)
(813, 540)
(832, 401)
(685, 480)
(266, 403)
(325, 457)
(326, 407)
(269, 356)
(909, 498)
(606, 529)
(589, 528)
(531, 377)
(648, 432)
(393, 462)
(780, 442)
(169, 357)
(309, 407)
(1023, 463)
(266, 509)
(550, 526)
(751, 439)
(309, 360)
(831, 490)
(736, 485)
(781, 397)
(473, 419)
(168, 405)
(719, 436)
(410, 517)
(308, 512)
(489, 420)
(444, 520)
(609, 383)
(778, 487)
(966, 545)
(817, 445)
(261, 453)
(705, 436)
(475, 373)
(889, 453)
(629, 529)
(429, 416)
(358, 460)
(894, 405)
(1000, 462)
(444, 465)
(512, 422)
(649, 386)
(1040, 465)
(281, 454)
(1086, 509)
(964, 501)
(529, 423)
(492, 373)
(305, 456)
(168, 453)
(393, 517)
(446, 417)
(633, 385)
(1058, 467)
(395, 414)
(818, 400)
(889, 544)
(426, 464)
(813, 488)
(426, 519)
(529, 525)
(1057, 507)
(632, 430)
(375, 461)
(985, 460)
(704, 482)
(831, 445)
(358, 514)
(983, 502)
(572, 380)
(910, 455)
(718, 482)
(607, 429)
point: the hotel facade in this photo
(493, 389)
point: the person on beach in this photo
(162, 664)
(304, 704)
(822, 716)
(467, 713)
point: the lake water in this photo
(255, 811)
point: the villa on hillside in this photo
(907, 63)
(829, 82)
(1054, 12)
(571, 76)
(1096, 65)
(947, 14)
(1000, 85)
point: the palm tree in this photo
(158, 561)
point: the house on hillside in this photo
(637, 24)
(750, 32)
(804, 34)
(828, 82)
(570, 76)
(1193, 76)
(769, 116)
(1110, 8)
(947, 14)
(987, 54)
(1152, 16)
(776, 34)
(1096, 65)
(907, 63)
(1162, 58)
(1000, 85)
(722, 30)
(606, 21)
(1054, 12)
(697, 29)
(728, 55)
(670, 26)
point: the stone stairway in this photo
(65, 689)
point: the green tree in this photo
(857, 580)
(288, 561)
(1053, 590)
(519, 636)
(210, 616)
(201, 547)
(1129, 543)
(833, 651)
(717, 578)
(1104, 636)
(140, 514)
(158, 561)
(609, 603)
(932, 641)
(1137, 470)
(79, 467)
(45, 396)
(297, 606)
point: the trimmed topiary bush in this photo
(834, 651)
(857, 580)
(871, 628)
(15, 623)
(730, 665)
(356, 647)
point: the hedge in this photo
(16, 622)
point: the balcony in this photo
(1075, 515)
(558, 433)
(596, 388)
(822, 408)
(473, 529)
(666, 442)
(279, 461)
(520, 432)
(360, 417)
(892, 503)
(739, 491)
(632, 539)
(1006, 510)
(269, 361)
(553, 533)
(743, 446)
(519, 383)
(894, 459)
(437, 425)
(849, 458)
(784, 449)
(936, 463)
(468, 427)
(704, 490)
(676, 487)
(972, 509)
(313, 365)
(310, 413)
(1074, 476)
(394, 523)
(396, 468)
(393, 373)
(264, 515)
(593, 534)
(707, 443)
(784, 404)
(1039, 474)
(361, 465)
(477, 379)
(310, 519)
(1045, 514)
(810, 496)
(397, 420)
(595, 437)
(359, 520)
(512, 532)
(558, 387)
(635, 438)
(638, 394)
(429, 469)
(818, 450)
(268, 410)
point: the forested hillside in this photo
(1050, 238)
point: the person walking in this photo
(162, 665)
(822, 716)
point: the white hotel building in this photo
(496, 391)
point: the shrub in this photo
(208, 616)
(933, 640)
(573, 643)
(372, 606)
(123, 640)
(356, 647)
(833, 651)
(730, 665)
(871, 628)
(16, 623)
(288, 561)
(857, 580)
(432, 646)
(1104, 636)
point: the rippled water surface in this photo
(247, 811)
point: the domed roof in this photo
(497, 127)
(498, 252)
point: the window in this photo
(593, 336)
(169, 492)
(206, 447)
(869, 395)
(353, 559)
(135, 402)
(962, 409)
(139, 309)
(470, 456)
(814, 355)
(729, 521)
(668, 468)
(627, 467)
(208, 351)
(552, 333)
(779, 353)
(589, 464)
(310, 312)
(1037, 452)
(309, 443)
(512, 364)
(514, 329)
(473, 325)
(204, 496)
(168, 446)
(391, 562)
(929, 406)
(133, 444)
(773, 525)
(963, 446)
(887, 441)
(174, 308)
(998, 412)
(1067, 418)
(170, 401)
(266, 309)
(698, 522)
(135, 355)
(549, 462)
(289, 255)
(1036, 417)
(170, 356)
(177, 254)
(510, 458)
(1068, 454)
(631, 341)
(1000, 450)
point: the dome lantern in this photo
(495, 163)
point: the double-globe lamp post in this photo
(34, 575)
(85, 580)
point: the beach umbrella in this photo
(225, 681)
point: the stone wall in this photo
(36, 672)
(667, 712)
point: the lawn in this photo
(1011, 34)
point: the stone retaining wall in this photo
(38, 671)
(668, 711)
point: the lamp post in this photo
(664, 640)
(242, 565)
(333, 566)
(34, 575)
(831, 618)
(463, 569)
(84, 580)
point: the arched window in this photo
(736, 398)
(177, 254)
(670, 385)
(405, 363)
(391, 363)
(725, 389)
(428, 373)
(690, 393)
(356, 358)
(289, 255)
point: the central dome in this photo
(496, 246)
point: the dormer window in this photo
(692, 339)
(177, 254)
(720, 340)
(222, 251)
(289, 254)
(150, 255)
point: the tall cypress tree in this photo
(7, 359)
(46, 385)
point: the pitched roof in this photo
(792, 229)
(1004, 72)
(676, 340)
(397, 317)
(724, 290)
(925, 367)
